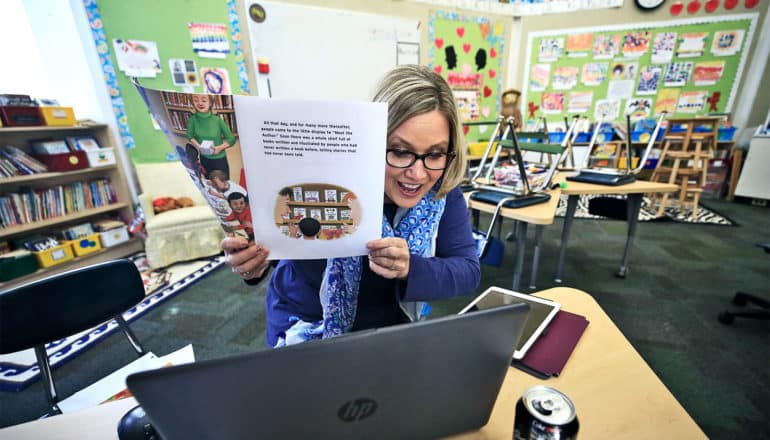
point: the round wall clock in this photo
(648, 5)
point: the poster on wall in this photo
(468, 52)
(216, 80)
(137, 58)
(209, 40)
(579, 45)
(183, 72)
(649, 67)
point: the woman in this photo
(210, 135)
(425, 161)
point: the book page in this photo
(320, 170)
(303, 178)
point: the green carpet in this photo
(681, 276)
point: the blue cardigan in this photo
(294, 284)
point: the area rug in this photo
(18, 370)
(648, 212)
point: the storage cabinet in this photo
(49, 221)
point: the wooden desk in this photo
(634, 192)
(538, 215)
(615, 392)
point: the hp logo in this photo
(358, 409)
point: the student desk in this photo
(538, 215)
(615, 392)
(634, 191)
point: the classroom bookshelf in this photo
(109, 180)
(321, 201)
(179, 109)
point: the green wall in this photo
(165, 23)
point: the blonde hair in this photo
(412, 90)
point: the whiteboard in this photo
(322, 53)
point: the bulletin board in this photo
(168, 30)
(685, 67)
(323, 53)
(468, 52)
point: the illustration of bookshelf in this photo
(324, 202)
(48, 202)
(179, 108)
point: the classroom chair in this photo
(742, 299)
(65, 304)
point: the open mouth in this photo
(409, 189)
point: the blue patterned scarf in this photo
(339, 288)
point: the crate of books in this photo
(111, 232)
(48, 251)
(57, 156)
(16, 263)
(83, 239)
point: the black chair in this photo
(61, 305)
(743, 298)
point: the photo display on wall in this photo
(684, 67)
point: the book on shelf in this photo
(15, 162)
(77, 231)
(50, 146)
(300, 161)
(107, 224)
(37, 242)
(83, 143)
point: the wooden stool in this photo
(684, 157)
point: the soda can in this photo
(543, 413)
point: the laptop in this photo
(616, 177)
(421, 380)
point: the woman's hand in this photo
(389, 257)
(220, 148)
(247, 260)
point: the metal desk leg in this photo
(632, 218)
(536, 256)
(475, 214)
(521, 238)
(512, 235)
(570, 214)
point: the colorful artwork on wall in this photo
(468, 52)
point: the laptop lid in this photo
(421, 380)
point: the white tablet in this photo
(541, 312)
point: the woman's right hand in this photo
(249, 260)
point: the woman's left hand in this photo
(220, 148)
(389, 257)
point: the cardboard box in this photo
(14, 266)
(114, 236)
(75, 160)
(55, 255)
(21, 116)
(101, 157)
(58, 116)
(85, 245)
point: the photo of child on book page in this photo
(290, 151)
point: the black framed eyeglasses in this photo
(435, 161)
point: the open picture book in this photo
(303, 178)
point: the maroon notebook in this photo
(550, 352)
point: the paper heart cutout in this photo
(493, 52)
(437, 69)
(751, 3)
(711, 5)
(676, 8)
(460, 31)
(465, 129)
(731, 4)
(466, 47)
(483, 128)
(487, 91)
(485, 112)
(693, 7)
(439, 42)
(492, 73)
(484, 28)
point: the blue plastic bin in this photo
(556, 137)
(726, 133)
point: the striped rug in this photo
(17, 370)
(648, 212)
